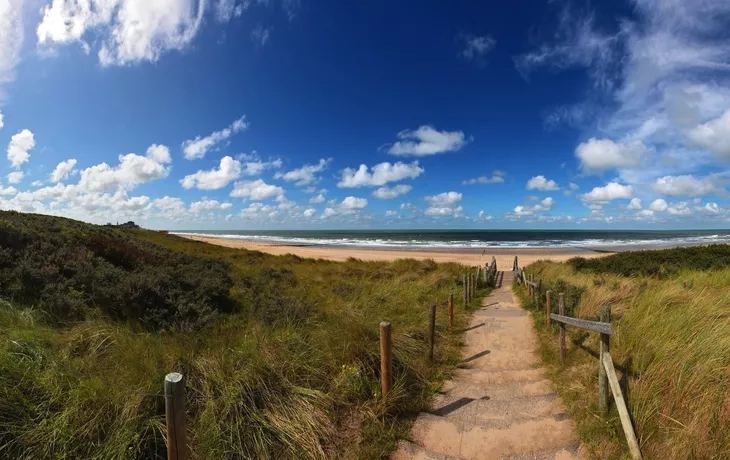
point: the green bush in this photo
(660, 263)
(69, 270)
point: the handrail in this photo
(595, 326)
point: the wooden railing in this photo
(606, 370)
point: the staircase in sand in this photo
(499, 405)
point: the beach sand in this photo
(505, 257)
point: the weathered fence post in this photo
(466, 295)
(539, 293)
(548, 308)
(479, 274)
(532, 278)
(468, 287)
(516, 265)
(386, 359)
(451, 311)
(473, 286)
(177, 448)
(486, 274)
(561, 312)
(431, 333)
(602, 376)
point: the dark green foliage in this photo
(69, 269)
(660, 263)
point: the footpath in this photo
(499, 405)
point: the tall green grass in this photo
(676, 333)
(292, 371)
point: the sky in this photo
(299, 114)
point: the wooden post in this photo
(451, 311)
(561, 311)
(516, 265)
(539, 293)
(479, 274)
(623, 410)
(386, 359)
(532, 278)
(548, 309)
(486, 274)
(602, 376)
(431, 333)
(468, 288)
(177, 448)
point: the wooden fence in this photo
(606, 370)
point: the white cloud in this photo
(317, 199)
(714, 135)
(711, 209)
(198, 147)
(497, 178)
(391, 213)
(598, 155)
(309, 212)
(634, 204)
(612, 191)
(686, 185)
(16, 177)
(442, 211)
(329, 212)
(426, 141)
(352, 203)
(545, 205)
(476, 47)
(11, 42)
(19, 146)
(208, 206)
(658, 205)
(543, 184)
(386, 193)
(382, 174)
(254, 167)
(256, 190)
(444, 199)
(681, 209)
(132, 171)
(63, 170)
(126, 31)
(260, 35)
(1, 116)
(213, 179)
(306, 174)
(7, 191)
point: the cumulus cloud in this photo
(317, 199)
(309, 212)
(497, 178)
(63, 170)
(132, 171)
(350, 205)
(305, 175)
(444, 211)
(213, 179)
(714, 135)
(16, 177)
(634, 204)
(426, 141)
(542, 184)
(18, 148)
(391, 213)
(610, 192)
(686, 185)
(208, 206)
(711, 209)
(255, 166)
(256, 190)
(198, 147)
(598, 155)
(658, 205)
(388, 193)
(444, 199)
(382, 174)
(126, 31)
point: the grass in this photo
(674, 330)
(288, 369)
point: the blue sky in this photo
(233, 114)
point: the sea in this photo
(475, 240)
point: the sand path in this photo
(499, 405)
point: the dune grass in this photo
(672, 347)
(289, 369)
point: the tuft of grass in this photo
(671, 348)
(288, 367)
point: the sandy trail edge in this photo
(526, 256)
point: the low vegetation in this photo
(671, 313)
(280, 354)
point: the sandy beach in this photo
(505, 257)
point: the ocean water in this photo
(590, 240)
